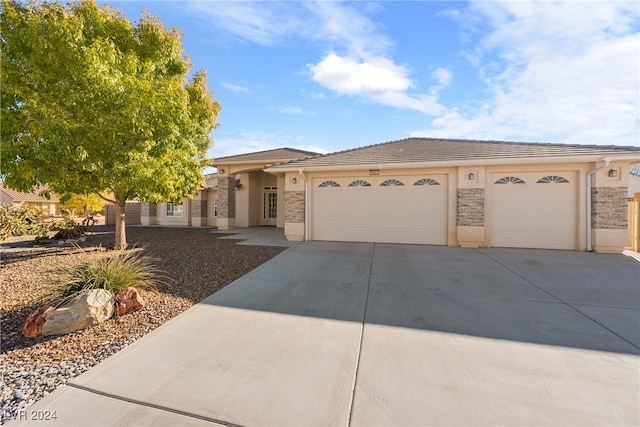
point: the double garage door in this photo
(402, 209)
(527, 210)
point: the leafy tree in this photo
(85, 204)
(91, 102)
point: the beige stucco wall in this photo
(634, 185)
(185, 219)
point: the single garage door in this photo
(402, 209)
(533, 210)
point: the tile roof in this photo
(34, 196)
(425, 150)
(277, 154)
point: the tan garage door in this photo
(533, 210)
(403, 209)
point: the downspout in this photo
(589, 175)
(306, 204)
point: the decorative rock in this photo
(33, 325)
(128, 301)
(88, 309)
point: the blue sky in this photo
(328, 75)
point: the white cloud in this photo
(248, 141)
(362, 69)
(347, 76)
(348, 28)
(562, 71)
(443, 76)
(378, 79)
(263, 23)
(235, 88)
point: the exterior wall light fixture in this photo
(471, 176)
(613, 173)
(294, 180)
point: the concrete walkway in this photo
(375, 335)
(257, 236)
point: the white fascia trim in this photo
(456, 163)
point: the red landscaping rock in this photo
(128, 301)
(33, 325)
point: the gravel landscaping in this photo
(196, 262)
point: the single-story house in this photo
(431, 191)
(35, 199)
(255, 192)
(132, 211)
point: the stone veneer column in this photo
(199, 211)
(226, 202)
(294, 215)
(149, 214)
(609, 208)
(470, 211)
(294, 207)
(609, 218)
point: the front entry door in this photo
(270, 206)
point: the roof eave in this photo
(293, 167)
(250, 162)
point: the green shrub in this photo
(111, 270)
(20, 221)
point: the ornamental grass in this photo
(113, 271)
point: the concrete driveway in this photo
(379, 334)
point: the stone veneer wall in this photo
(470, 207)
(609, 208)
(226, 197)
(199, 208)
(294, 206)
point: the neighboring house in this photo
(257, 196)
(132, 210)
(437, 192)
(35, 200)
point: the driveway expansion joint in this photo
(364, 317)
(153, 406)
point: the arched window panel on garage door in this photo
(426, 181)
(391, 182)
(510, 180)
(359, 183)
(329, 184)
(552, 178)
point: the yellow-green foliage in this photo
(92, 102)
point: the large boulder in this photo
(33, 325)
(128, 301)
(88, 309)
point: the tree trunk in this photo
(121, 234)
